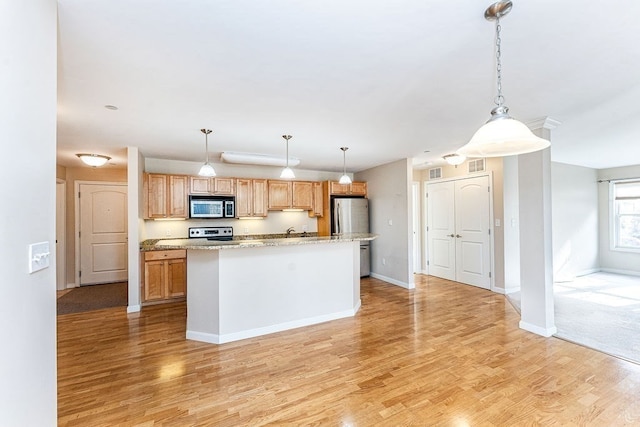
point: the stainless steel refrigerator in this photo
(351, 215)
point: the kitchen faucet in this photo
(289, 231)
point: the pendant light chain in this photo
(499, 101)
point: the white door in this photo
(473, 231)
(441, 230)
(458, 220)
(103, 233)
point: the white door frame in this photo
(417, 228)
(61, 238)
(492, 281)
(76, 204)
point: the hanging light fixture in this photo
(501, 135)
(455, 159)
(344, 179)
(94, 160)
(287, 173)
(206, 169)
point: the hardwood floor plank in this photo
(442, 354)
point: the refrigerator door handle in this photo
(338, 213)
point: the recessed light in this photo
(111, 107)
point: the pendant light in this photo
(344, 179)
(501, 135)
(287, 173)
(206, 169)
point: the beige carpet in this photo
(93, 297)
(600, 311)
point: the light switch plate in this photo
(38, 256)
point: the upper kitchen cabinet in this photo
(251, 197)
(290, 195)
(317, 210)
(215, 185)
(165, 196)
(353, 189)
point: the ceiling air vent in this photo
(476, 165)
(435, 173)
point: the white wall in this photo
(616, 261)
(28, 122)
(390, 216)
(574, 204)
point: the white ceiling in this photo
(390, 80)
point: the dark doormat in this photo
(93, 297)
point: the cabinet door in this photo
(176, 277)
(279, 194)
(243, 197)
(178, 196)
(359, 188)
(337, 188)
(317, 200)
(259, 197)
(156, 196)
(199, 185)
(154, 280)
(224, 186)
(302, 197)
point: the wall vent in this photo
(435, 173)
(476, 165)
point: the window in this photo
(626, 215)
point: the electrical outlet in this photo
(168, 232)
(246, 230)
(384, 261)
(305, 227)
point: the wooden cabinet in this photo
(353, 189)
(165, 275)
(251, 197)
(290, 195)
(215, 185)
(317, 210)
(165, 196)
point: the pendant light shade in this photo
(287, 173)
(502, 135)
(344, 179)
(206, 169)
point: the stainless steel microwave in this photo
(211, 207)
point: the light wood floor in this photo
(443, 354)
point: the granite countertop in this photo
(250, 241)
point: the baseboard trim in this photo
(587, 272)
(545, 332)
(616, 271)
(251, 333)
(393, 281)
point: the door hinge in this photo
(79, 233)
(489, 232)
(78, 194)
(427, 262)
(488, 189)
(427, 228)
(489, 275)
(80, 273)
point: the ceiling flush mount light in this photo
(287, 173)
(455, 159)
(206, 169)
(344, 179)
(94, 160)
(501, 135)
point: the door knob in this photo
(452, 235)
(458, 236)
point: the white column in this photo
(536, 250)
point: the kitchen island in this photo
(245, 288)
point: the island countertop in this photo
(203, 243)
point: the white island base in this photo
(248, 292)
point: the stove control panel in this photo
(211, 233)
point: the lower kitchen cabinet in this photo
(165, 275)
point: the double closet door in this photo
(459, 230)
